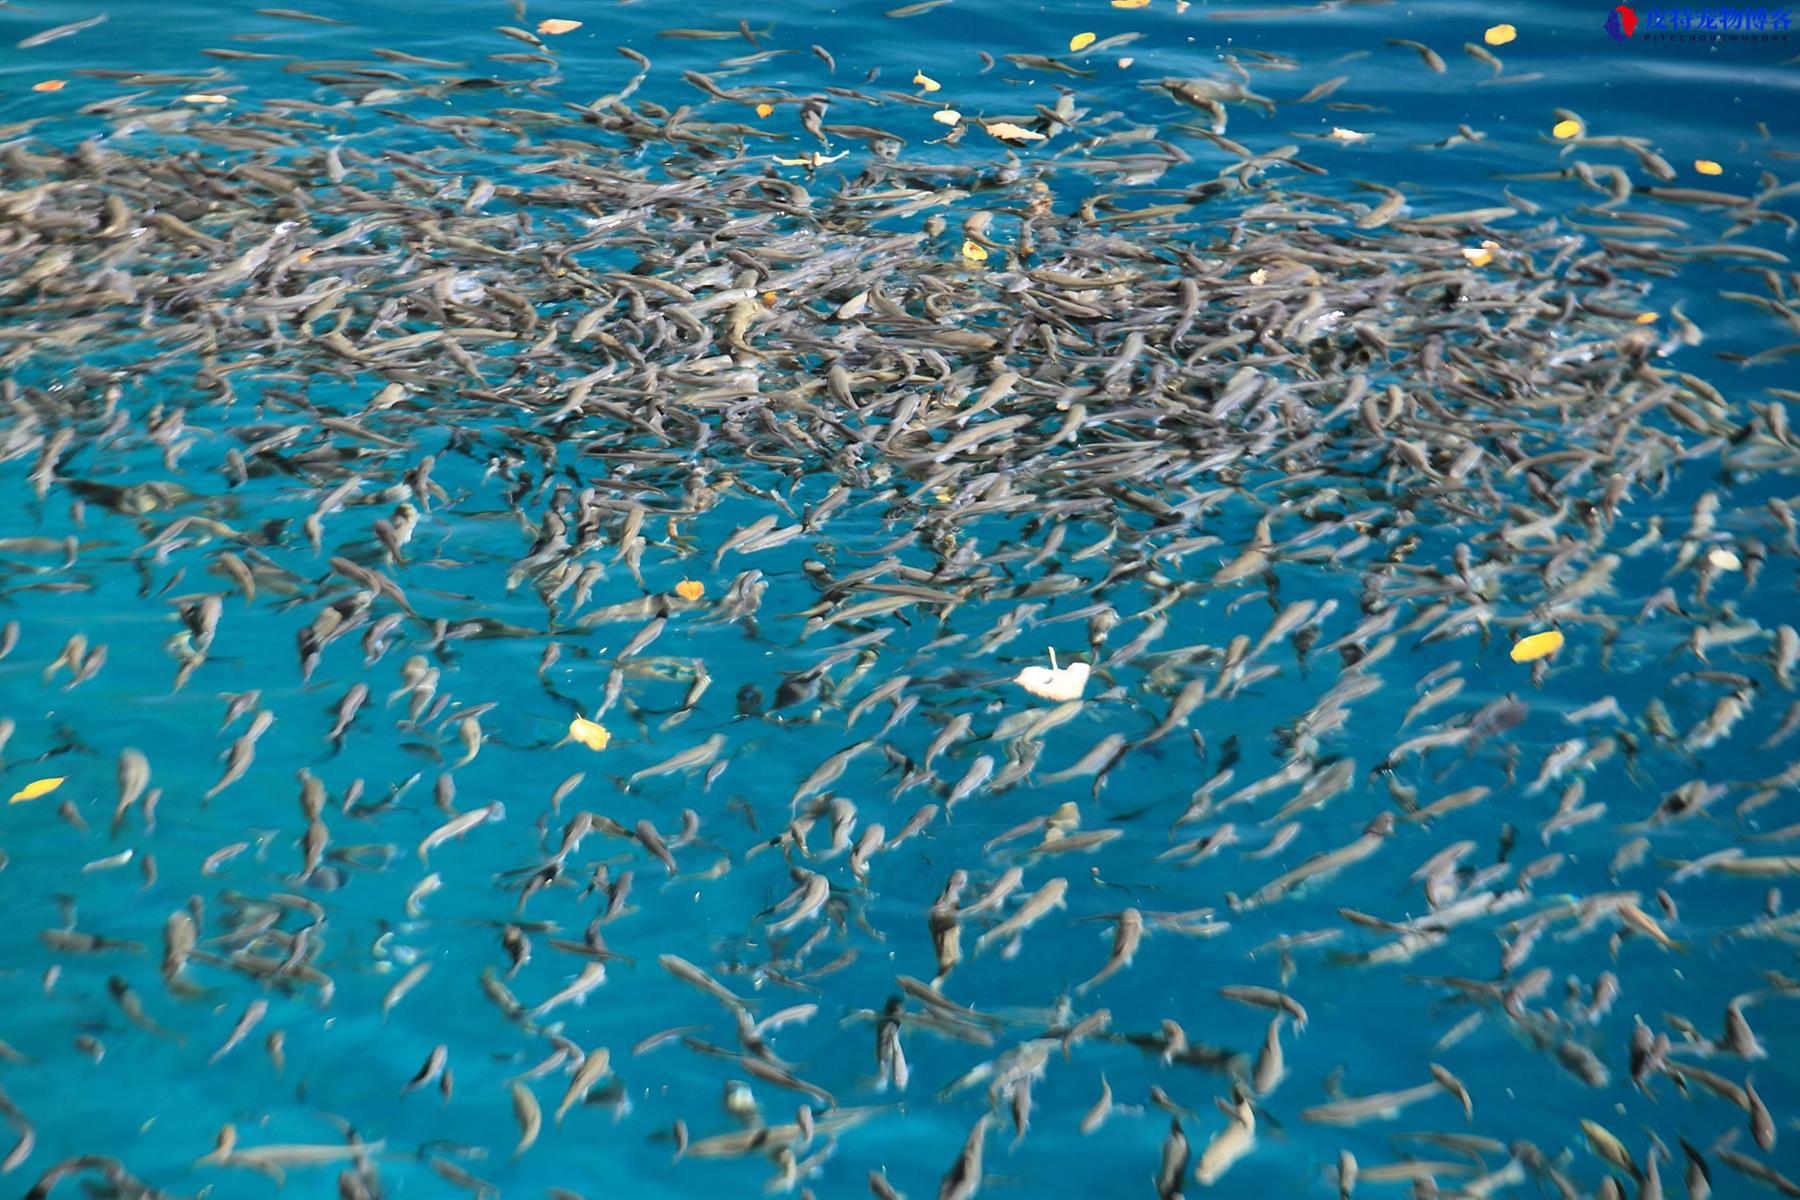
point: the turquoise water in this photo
(155, 1102)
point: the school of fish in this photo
(540, 387)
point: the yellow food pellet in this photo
(1478, 256)
(1129, 3)
(1018, 133)
(1081, 41)
(1648, 318)
(1707, 166)
(50, 85)
(927, 82)
(1499, 35)
(946, 116)
(764, 109)
(690, 589)
(590, 734)
(973, 252)
(1566, 129)
(555, 25)
(1538, 645)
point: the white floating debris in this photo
(1053, 682)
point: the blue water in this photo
(156, 1103)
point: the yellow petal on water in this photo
(555, 25)
(589, 733)
(1538, 645)
(205, 98)
(927, 82)
(764, 109)
(1018, 133)
(1648, 318)
(1129, 3)
(1053, 682)
(1723, 560)
(946, 116)
(973, 252)
(50, 85)
(690, 589)
(1707, 166)
(1081, 41)
(1499, 35)
(36, 788)
(1566, 129)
